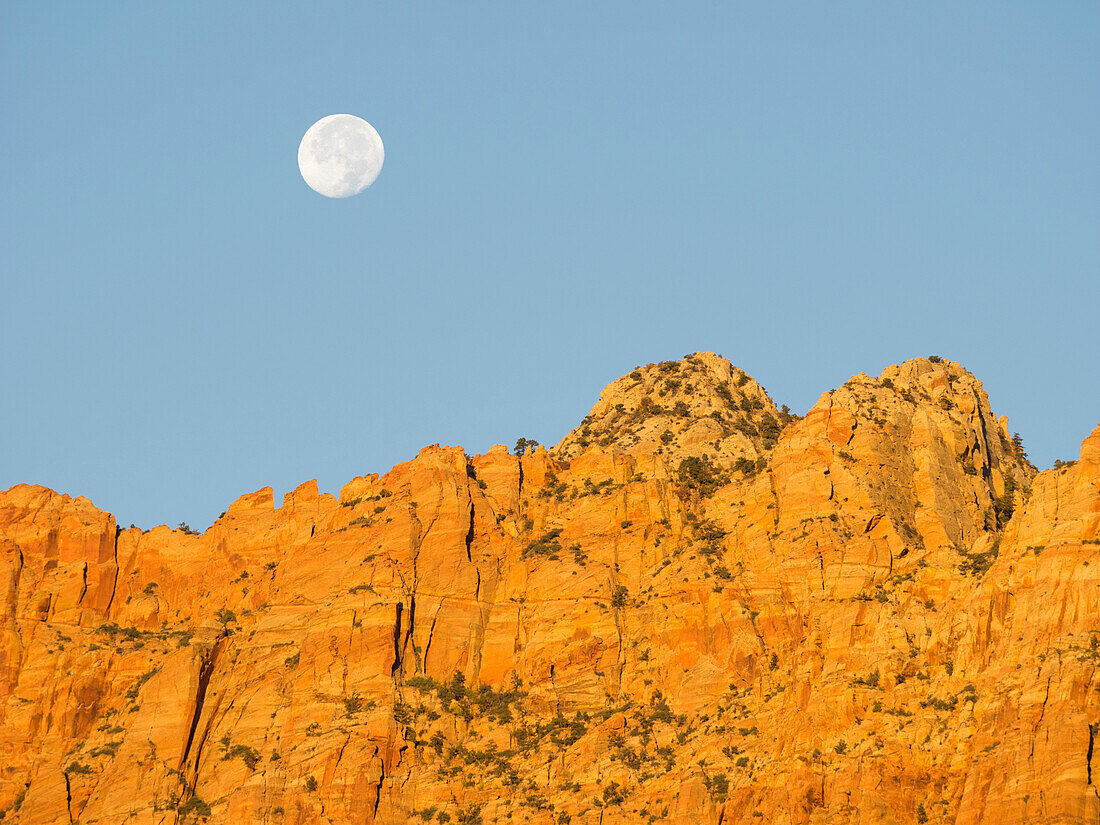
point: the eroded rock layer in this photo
(697, 608)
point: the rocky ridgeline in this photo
(696, 608)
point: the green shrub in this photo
(194, 807)
(132, 693)
(525, 446)
(619, 597)
(870, 680)
(769, 429)
(699, 474)
(1004, 505)
(471, 816)
(250, 756)
(744, 465)
(718, 785)
(547, 545)
(976, 564)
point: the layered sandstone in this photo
(696, 608)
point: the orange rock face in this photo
(697, 608)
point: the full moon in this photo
(340, 156)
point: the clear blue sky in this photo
(570, 189)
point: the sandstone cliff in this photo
(697, 607)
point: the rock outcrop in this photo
(696, 608)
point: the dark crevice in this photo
(44, 615)
(378, 789)
(986, 441)
(397, 640)
(340, 753)
(83, 583)
(114, 581)
(428, 644)
(214, 653)
(470, 533)
(206, 670)
(1088, 754)
(412, 622)
(68, 797)
(1039, 721)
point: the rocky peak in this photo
(917, 453)
(926, 400)
(701, 405)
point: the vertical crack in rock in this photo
(984, 443)
(470, 533)
(401, 644)
(114, 580)
(1088, 755)
(20, 659)
(340, 753)
(83, 583)
(1039, 721)
(378, 788)
(44, 615)
(428, 643)
(68, 797)
(17, 574)
(408, 640)
(400, 608)
(477, 642)
(616, 612)
(206, 671)
(479, 630)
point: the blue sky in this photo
(570, 189)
